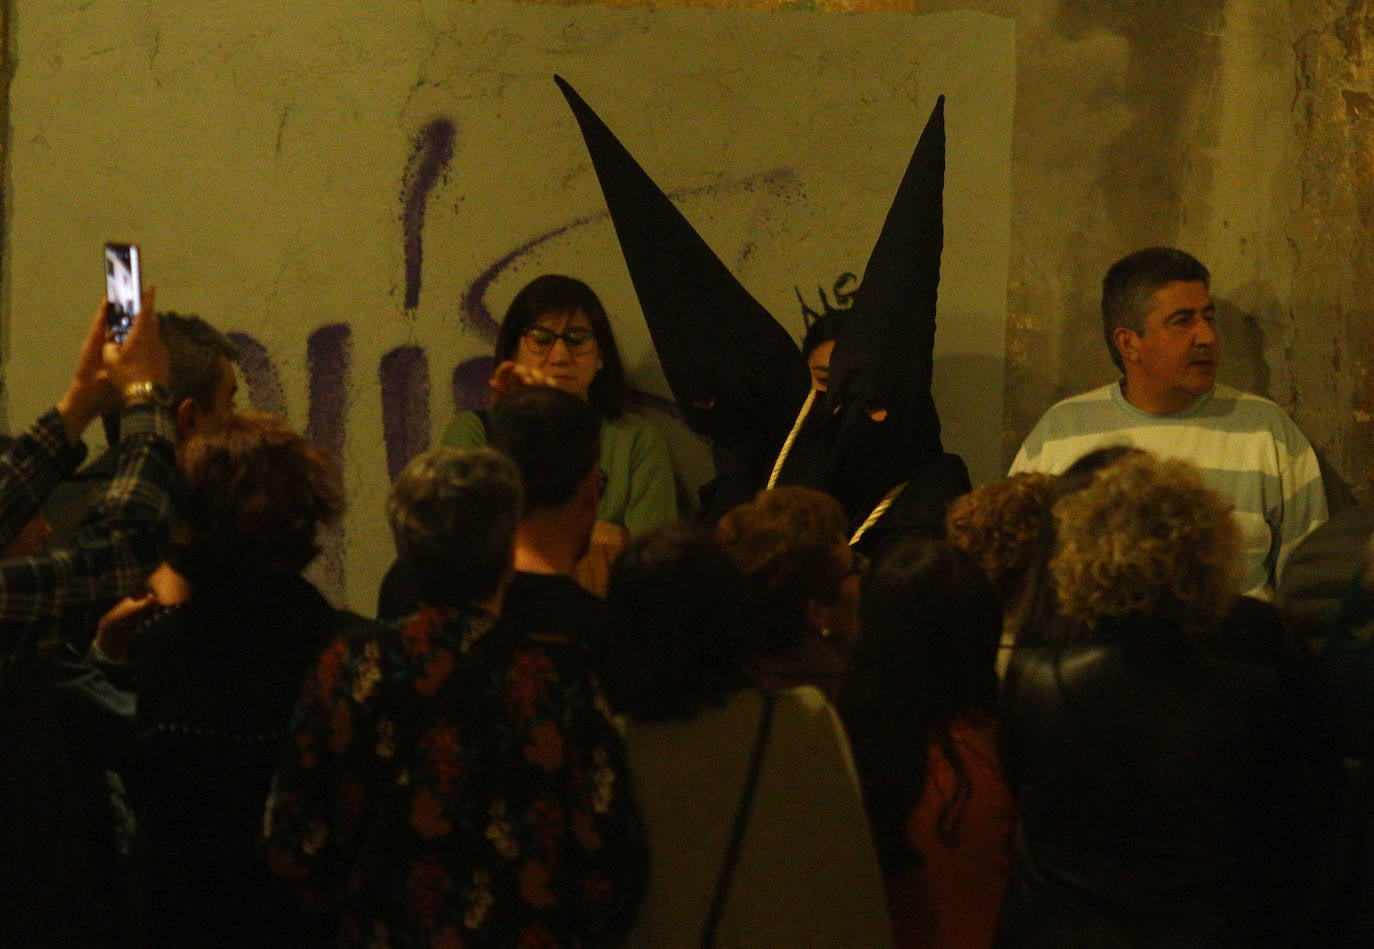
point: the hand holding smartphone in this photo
(123, 289)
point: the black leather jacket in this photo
(1162, 794)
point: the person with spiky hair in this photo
(554, 439)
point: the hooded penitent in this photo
(881, 367)
(737, 375)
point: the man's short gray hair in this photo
(196, 353)
(1132, 282)
(453, 515)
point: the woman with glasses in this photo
(556, 332)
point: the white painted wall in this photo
(256, 151)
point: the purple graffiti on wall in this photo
(404, 374)
(260, 377)
(469, 383)
(327, 368)
(327, 353)
(404, 377)
(428, 166)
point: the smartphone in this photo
(123, 289)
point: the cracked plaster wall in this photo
(356, 190)
(1238, 130)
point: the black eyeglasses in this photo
(540, 339)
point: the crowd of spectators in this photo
(1059, 725)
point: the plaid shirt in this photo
(116, 547)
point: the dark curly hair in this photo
(252, 499)
(785, 541)
(999, 524)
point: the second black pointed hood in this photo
(884, 356)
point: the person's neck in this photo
(1164, 403)
(549, 542)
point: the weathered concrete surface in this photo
(1240, 131)
(354, 190)
(1328, 360)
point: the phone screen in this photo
(123, 288)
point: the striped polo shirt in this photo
(1246, 447)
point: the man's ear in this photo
(1127, 343)
(186, 419)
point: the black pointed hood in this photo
(884, 355)
(734, 371)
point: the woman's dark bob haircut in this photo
(554, 293)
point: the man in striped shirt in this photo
(1159, 322)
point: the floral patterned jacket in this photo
(446, 782)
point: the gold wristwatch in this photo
(154, 392)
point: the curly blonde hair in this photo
(999, 525)
(1146, 537)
